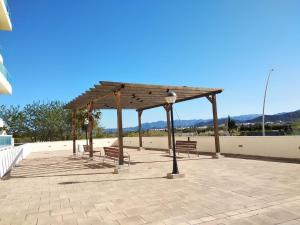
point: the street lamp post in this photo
(86, 123)
(170, 100)
(264, 104)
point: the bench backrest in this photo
(186, 145)
(111, 151)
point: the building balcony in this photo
(6, 140)
(5, 23)
(5, 86)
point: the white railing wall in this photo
(277, 146)
(11, 156)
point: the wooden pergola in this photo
(139, 97)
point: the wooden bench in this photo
(86, 149)
(186, 146)
(113, 153)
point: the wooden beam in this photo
(216, 126)
(91, 126)
(142, 94)
(138, 102)
(109, 84)
(160, 92)
(167, 108)
(88, 98)
(182, 100)
(140, 112)
(74, 128)
(120, 126)
(209, 99)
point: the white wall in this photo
(277, 146)
(68, 145)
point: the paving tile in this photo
(61, 211)
(292, 222)
(133, 220)
(59, 189)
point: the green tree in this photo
(14, 118)
(82, 119)
(296, 127)
(231, 125)
(47, 121)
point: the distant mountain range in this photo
(251, 118)
(284, 117)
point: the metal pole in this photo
(91, 125)
(264, 104)
(140, 129)
(74, 135)
(175, 167)
(167, 108)
(86, 135)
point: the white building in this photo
(5, 24)
(2, 125)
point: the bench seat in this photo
(186, 146)
(113, 153)
(86, 149)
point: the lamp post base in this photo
(121, 169)
(217, 156)
(175, 175)
(141, 148)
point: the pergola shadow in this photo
(58, 167)
(181, 158)
(111, 180)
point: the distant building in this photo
(2, 125)
(5, 24)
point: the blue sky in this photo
(58, 49)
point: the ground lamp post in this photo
(263, 115)
(170, 100)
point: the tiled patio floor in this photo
(54, 188)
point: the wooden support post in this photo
(216, 126)
(167, 108)
(120, 126)
(91, 125)
(140, 112)
(74, 135)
